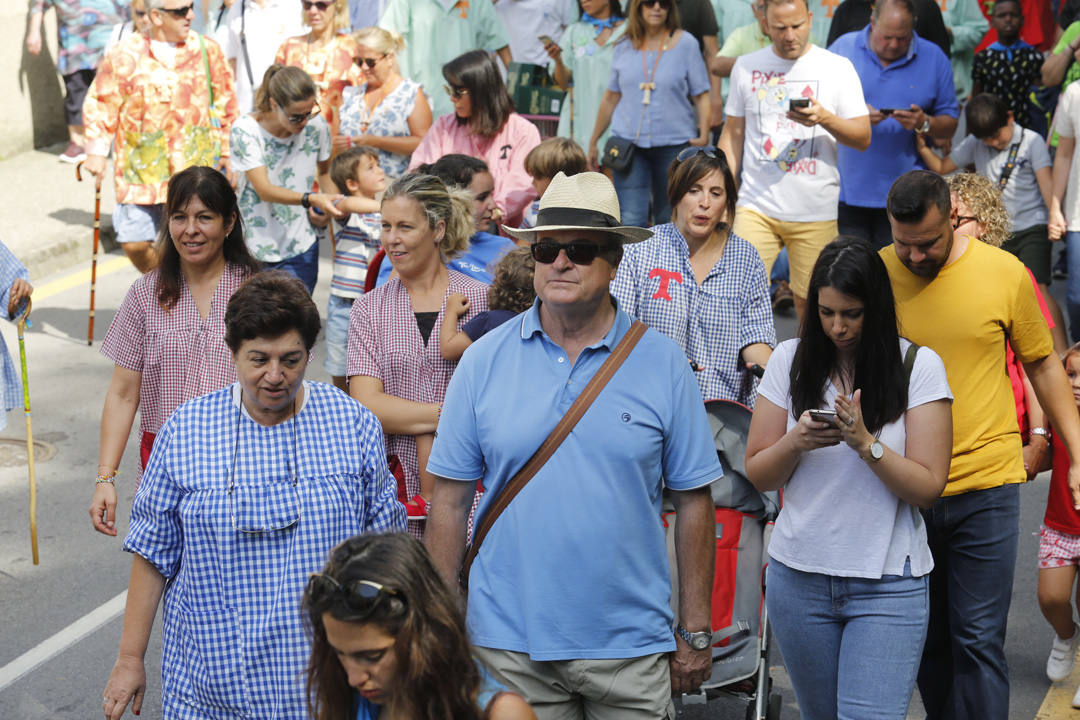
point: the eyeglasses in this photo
(455, 92)
(360, 596)
(579, 252)
(138, 13)
(297, 119)
(961, 219)
(665, 4)
(689, 152)
(320, 6)
(370, 62)
(180, 13)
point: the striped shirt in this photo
(357, 242)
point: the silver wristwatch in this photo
(696, 640)
(1040, 431)
(925, 127)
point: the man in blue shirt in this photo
(908, 85)
(569, 595)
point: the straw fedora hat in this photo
(586, 201)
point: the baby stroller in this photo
(744, 518)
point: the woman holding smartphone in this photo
(847, 584)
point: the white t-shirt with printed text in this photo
(789, 171)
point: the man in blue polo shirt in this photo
(908, 85)
(569, 595)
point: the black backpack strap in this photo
(909, 360)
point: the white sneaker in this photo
(1060, 663)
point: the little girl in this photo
(511, 293)
(1059, 551)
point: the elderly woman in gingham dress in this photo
(247, 490)
(699, 283)
(166, 354)
(392, 370)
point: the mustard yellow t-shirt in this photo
(966, 314)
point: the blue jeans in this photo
(338, 310)
(973, 536)
(851, 645)
(645, 178)
(304, 266)
(1072, 284)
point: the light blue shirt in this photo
(669, 117)
(577, 566)
(923, 77)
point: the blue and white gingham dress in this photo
(234, 645)
(712, 321)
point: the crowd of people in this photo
(512, 314)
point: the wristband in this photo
(305, 200)
(109, 477)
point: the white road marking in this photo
(62, 640)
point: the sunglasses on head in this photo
(360, 596)
(370, 62)
(180, 12)
(320, 6)
(579, 252)
(455, 91)
(665, 4)
(689, 152)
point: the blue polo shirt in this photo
(576, 567)
(923, 77)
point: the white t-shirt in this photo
(838, 518)
(789, 171)
(1067, 124)
(525, 20)
(265, 28)
(273, 231)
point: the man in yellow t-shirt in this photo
(965, 299)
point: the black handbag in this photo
(618, 152)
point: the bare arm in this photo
(933, 161)
(1062, 167)
(853, 132)
(773, 452)
(1037, 445)
(716, 96)
(121, 402)
(1055, 66)
(695, 550)
(33, 32)
(398, 416)
(603, 120)
(446, 524)
(271, 193)
(1045, 178)
(359, 204)
(721, 66)
(757, 354)
(1051, 386)
(511, 706)
(419, 124)
(504, 54)
(703, 110)
(731, 142)
(453, 342)
(127, 682)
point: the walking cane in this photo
(97, 239)
(22, 321)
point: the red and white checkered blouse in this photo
(385, 343)
(180, 355)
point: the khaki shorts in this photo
(624, 689)
(803, 240)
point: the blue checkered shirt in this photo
(10, 270)
(712, 320)
(234, 646)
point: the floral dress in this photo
(390, 118)
(276, 232)
(332, 67)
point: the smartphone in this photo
(546, 39)
(798, 103)
(888, 111)
(826, 416)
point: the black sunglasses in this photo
(579, 252)
(370, 62)
(180, 12)
(665, 4)
(360, 596)
(689, 152)
(297, 119)
(322, 6)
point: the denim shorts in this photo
(137, 223)
(337, 334)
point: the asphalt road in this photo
(61, 632)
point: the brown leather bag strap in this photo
(552, 442)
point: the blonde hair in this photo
(451, 205)
(984, 200)
(380, 40)
(286, 84)
(555, 155)
(341, 16)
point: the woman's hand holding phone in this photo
(810, 434)
(850, 422)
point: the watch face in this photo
(877, 451)
(700, 642)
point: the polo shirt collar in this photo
(530, 325)
(863, 41)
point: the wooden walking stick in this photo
(21, 324)
(97, 240)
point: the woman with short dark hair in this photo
(485, 126)
(854, 423)
(701, 284)
(245, 490)
(167, 339)
(389, 640)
